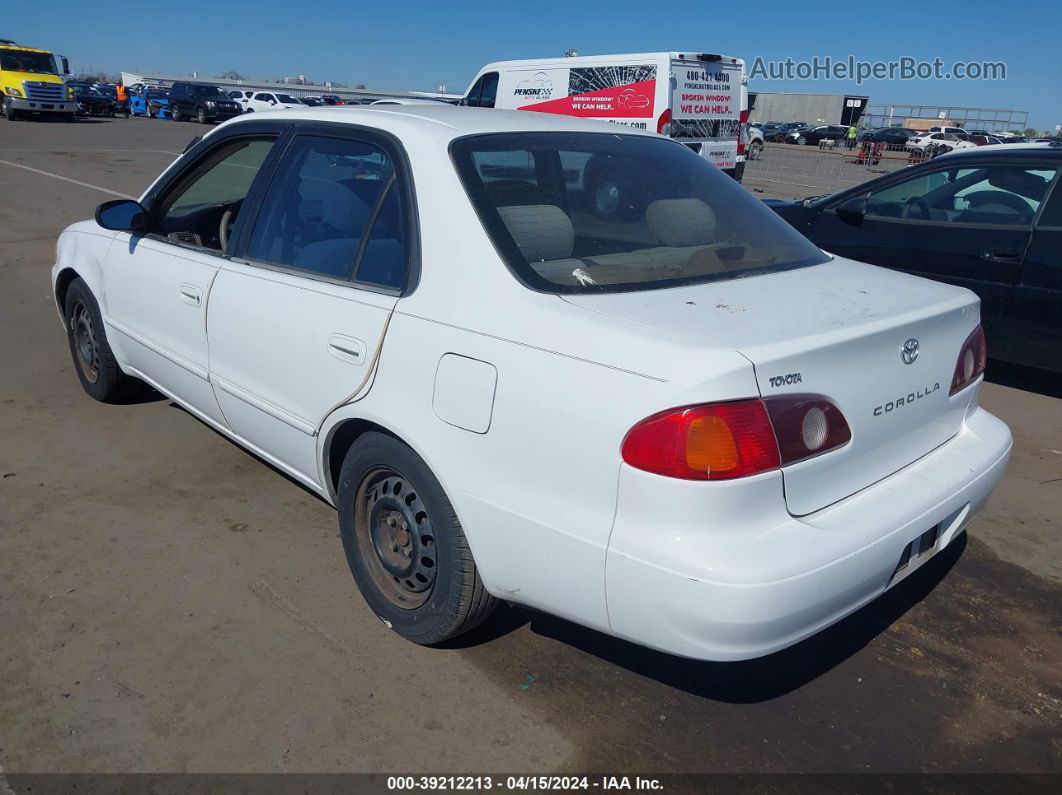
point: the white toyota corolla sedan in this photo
(680, 423)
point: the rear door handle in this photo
(347, 349)
(191, 294)
(993, 255)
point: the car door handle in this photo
(191, 294)
(993, 255)
(347, 349)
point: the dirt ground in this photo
(168, 603)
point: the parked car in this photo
(984, 140)
(697, 432)
(896, 137)
(200, 101)
(313, 102)
(934, 142)
(778, 132)
(985, 218)
(90, 101)
(1014, 139)
(812, 135)
(241, 98)
(332, 99)
(958, 132)
(148, 101)
(271, 100)
(754, 142)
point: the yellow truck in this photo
(32, 85)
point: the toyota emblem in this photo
(909, 351)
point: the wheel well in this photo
(342, 439)
(62, 284)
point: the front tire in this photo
(96, 367)
(405, 546)
(200, 116)
(755, 150)
(801, 140)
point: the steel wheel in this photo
(87, 347)
(395, 537)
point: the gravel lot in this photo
(170, 603)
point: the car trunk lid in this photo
(836, 330)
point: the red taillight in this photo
(663, 124)
(806, 426)
(716, 441)
(722, 441)
(973, 356)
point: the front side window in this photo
(334, 209)
(606, 212)
(994, 194)
(202, 208)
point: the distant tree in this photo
(1032, 132)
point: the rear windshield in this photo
(603, 212)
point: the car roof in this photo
(450, 120)
(1032, 149)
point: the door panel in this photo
(296, 322)
(1029, 329)
(274, 340)
(162, 331)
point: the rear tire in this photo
(404, 544)
(96, 367)
(755, 150)
(175, 113)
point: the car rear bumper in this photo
(746, 579)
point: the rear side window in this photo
(333, 209)
(606, 212)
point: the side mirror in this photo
(272, 102)
(66, 64)
(121, 215)
(852, 211)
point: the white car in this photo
(269, 100)
(940, 141)
(684, 424)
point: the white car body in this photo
(519, 401)
(940, 140)
(269, 100)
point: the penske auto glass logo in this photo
(538, 87)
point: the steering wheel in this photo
(225, 228)
(916, 201)
(982, 197)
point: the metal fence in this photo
(831, 166)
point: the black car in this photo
(812, 135)
(202, 102)
(90, 101)
(989, 219)
(778, 132)
(891, 136)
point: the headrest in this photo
(334, 204)
(681, 222)
(541, 231)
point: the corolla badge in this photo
(909, 351)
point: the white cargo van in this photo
(692, 97)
